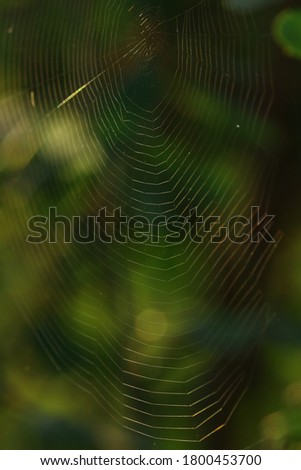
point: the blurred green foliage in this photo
(287, 32)
(53, 297)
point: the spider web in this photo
(164, 110)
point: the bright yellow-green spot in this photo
(151, 325)
(287, 32)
